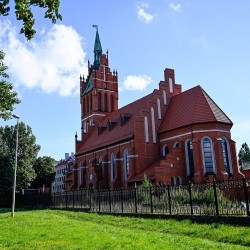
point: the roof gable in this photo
(122, 130)
(191, 107)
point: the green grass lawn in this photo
(54, 229)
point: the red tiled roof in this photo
(118, 132)
(191, 107)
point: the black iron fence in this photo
(216, 198)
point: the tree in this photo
(6, 175)
(244, 154)
(8, 97)
(23, 11)
(27, 154)
(45, 171)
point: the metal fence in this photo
(216, 198)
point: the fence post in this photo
(122, 199)
(215, 198)
(169, 201)
(190, 197)
(151, 199)
(135, 199)
(73, 198)
(81, 197)
(110, 205)
(66, 199)
(77, 197)
(90, 204)
(246, 196)
(99, 201)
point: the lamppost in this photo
(15, 168)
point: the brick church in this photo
(170, 136)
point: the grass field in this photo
(54, 229)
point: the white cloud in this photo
(139, 82)
(142, 14)
(175, 7)
(52, 63)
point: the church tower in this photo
(99, 91)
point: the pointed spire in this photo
(97, 49)
(98, 46)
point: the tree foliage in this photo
(45, 171)
(24, 13)
(244, 154)
(8, 97)
(26, 154)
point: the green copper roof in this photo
(89, 85)
(98, 46)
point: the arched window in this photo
(100, 160)
(208, 156)
(159, 108)
(173, 180)
(165, 97)
(126, 164)
(146, 129)
(153, 124)
(165, 150)
(189, 158)
(226, 156)
(80, 174)
(171, 85)
(112, 167)
(111, 103)
(99, 101)
(176, 145)
(105, 102)
(178, 180)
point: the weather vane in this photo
(95, 26)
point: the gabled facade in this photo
(169, 135)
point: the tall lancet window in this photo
(111, 103)
(165, 102)
(226, 156)
(126, 164)
(153, 124)
(112, 167)
(208, 156)
(105, 102)
(146, 129)
(99, 101)
(171, 87)
(159, 108)
(189, 158)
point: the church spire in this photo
(97, 49)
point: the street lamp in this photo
(15, 168)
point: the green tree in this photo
(244, 154)
(24, 12)
(45, 171)
(27, 153)
(6, 174)
(8, 97)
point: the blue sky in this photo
(206, 42)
